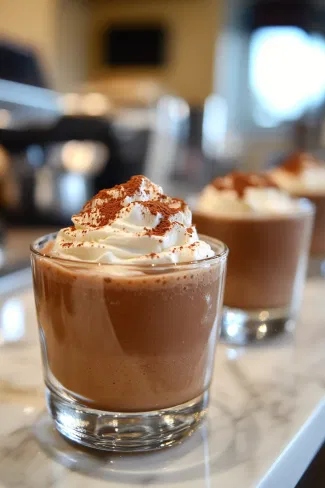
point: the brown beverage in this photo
(268, 235)
(128, 343)
(128, 301)
(265, 254)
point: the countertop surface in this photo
(266, 418)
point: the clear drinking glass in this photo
(266, 270)
(127, 350)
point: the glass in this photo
(127, 350)
(266, 271)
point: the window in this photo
(286, 73)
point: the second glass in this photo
(266, 270)
(128, 350)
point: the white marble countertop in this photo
(265, 423)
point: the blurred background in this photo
(94, 91)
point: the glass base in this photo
(125, 432)
(240, 327)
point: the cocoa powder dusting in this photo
(299, 161)
(238, 182)
(166, 211)
(160, 229)
(108, 211)
(129, 188)
(109, 207)
(70, 229)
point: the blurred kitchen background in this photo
(94, 91)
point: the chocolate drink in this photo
(267, 234)
(264, 257)
(128, 343)
(128, 300)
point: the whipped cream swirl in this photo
(302, 174)
(245, 194)
(133, 223)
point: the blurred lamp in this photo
(84, 157)
(70, 103)
(94, 104)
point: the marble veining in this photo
(264, 399)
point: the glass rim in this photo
(75, 262)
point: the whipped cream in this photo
(301, 175)
(245, 194)
(133, 223)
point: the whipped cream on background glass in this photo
(245, 194)
(301, 174)
(133, 223)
